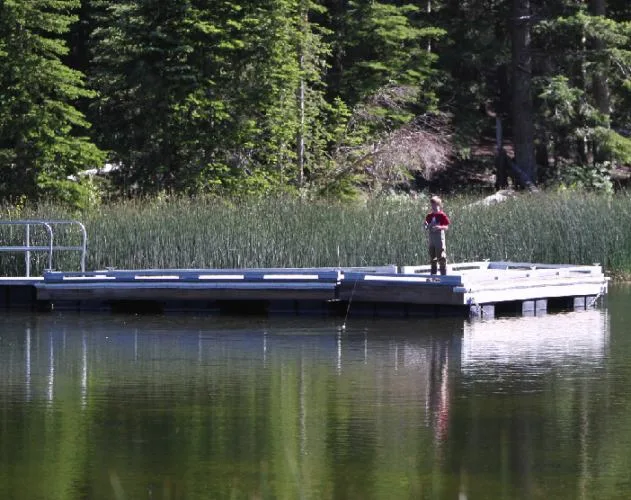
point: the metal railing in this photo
(50, 248)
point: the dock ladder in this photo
(50, 247)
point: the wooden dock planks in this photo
(204, 284)
(478, 283)
(476, 287)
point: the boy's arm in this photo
(444, 224)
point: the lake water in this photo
(177, 407)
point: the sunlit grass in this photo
(576, 228)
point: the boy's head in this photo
(436, 203)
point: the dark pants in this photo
(438, 258)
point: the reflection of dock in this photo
(481, 288)
(443, 401)
(549, 341)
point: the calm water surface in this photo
(125, 407)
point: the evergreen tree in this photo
(253, 96)
(383, 71)
(139, 65)
(476, 56)
(381, 44)
(40, 127)
(578, 69)
(198, 94)
(583, 93)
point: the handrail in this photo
(27, 248)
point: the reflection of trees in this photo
(29, 466)
(191, 411)
(188, 414)
(529, 413)
(609, 436)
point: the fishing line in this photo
(350, 299)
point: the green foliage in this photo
(195, 119)
(141, 70)
(41, 131)
(613, 144)
(473, 62)
(565, 112)
(316, 97)
(385, 48)
(79, 195)
(586, 178)
(560, 102)
(583, 93)
(385, 72)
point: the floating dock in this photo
(479, 289)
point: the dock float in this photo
(478, 289)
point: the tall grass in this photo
(576, 228)
(567, 227)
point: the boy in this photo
(436, 223)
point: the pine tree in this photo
(583, 93)
(578, 66)
(296, 122)
(379, 44)
(475, 55)
(140, 68)
(40, 127)
(383, 71)
(198, 95)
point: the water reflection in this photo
(181, 407)
(529, 395)
(533, 344)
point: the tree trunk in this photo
(542, 157)
(523, 127)
(599, 78)
(601, 87)
(501, 170)
(502, 114)
(428, 9)
(301, 131)
(304, 17)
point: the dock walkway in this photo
(483, 289)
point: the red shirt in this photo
(440, 218)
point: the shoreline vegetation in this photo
(133, 98)
(571, 227)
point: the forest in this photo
(317, 98)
